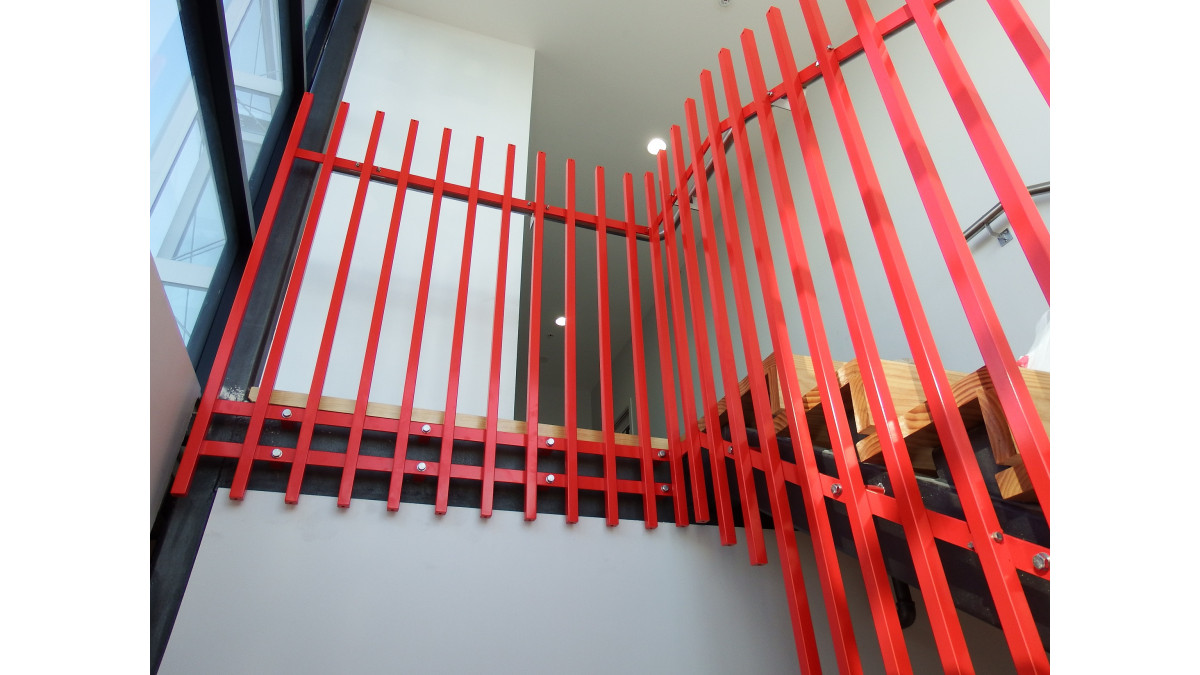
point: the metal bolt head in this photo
(665, 488)
(730, 450)
(426, 428)
(421, 466)
(358, 164)
(971, 545)
(277, 453)
(1041, 562)
(550, 442)
(770, 92)
(998, 535)
(662, 453)
(829, 47)
(835, 489)
(550, 478)
(287, 412)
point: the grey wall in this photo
(173, 391)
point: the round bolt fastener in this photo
(770, 92)
(358, 164)
(421, 466)
(730, 450)
(829, 47)
(835, 489)
(550, 442)
(971, 545)
(277, 453)
(1041, 562)
(287, 412)
(550, 478)
(998, 535)
(426, 428)
(665, 488)
(662, 453)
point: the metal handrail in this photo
(994, 213)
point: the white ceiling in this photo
(608, 77)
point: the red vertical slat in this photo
(606, 404)
(675, 444)
(535, 341)
(445, 458)
(1028, 41)
(489, 443)
(919, 534)
(309, 423)
(569, 393)
(678, 493)
(691, 266)
(346, 488)
(403, 425)
(743, 467)
(1007, 592)
(1022, 214)
(216, 378)
(246, 457)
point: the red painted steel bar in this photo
(708, 396)
(606, 404)
(535, 340)
(926, 560)
(1022, 213)
(321, 370)
(346, 488)
(649, 501)
(275, 354)
(1006, 587)
(830, 575)
(404, 424)
(743, 469)
(781, 511)
(489, 443)
(1027, 40)
(674, 437)
(445, 458)
(569, 398)
(216, 379)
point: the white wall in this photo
(410, 67)
(173, 391)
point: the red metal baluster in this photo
(926, 560)
(743, 466)
(404, 424)
(691, 266)
(445, 458)
(309, 423)
(675, 445)
(678, 493)
(535, 341)
(216, 378)
(1007, 592)
(1019, 208)
(569, 394)
(250, 447)
(1028, 41)
(606, 404)
(346, 488)
(489, 443)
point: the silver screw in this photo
(836, 489)
(550, 442)
(550, 478)
(287, 412)
(998, 535)
(358, 164)
(665, 488)
(1041, 562)
(829, 47)
(730, 451)
(816, 63)
(379, 168)
(277, 453)
(426, 428)
(770, 92)
(420, 466)
(662, 453)
(971, 545)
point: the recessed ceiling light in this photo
(656, 145)
(562, 321)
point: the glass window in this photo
(187, 231)
(255, 53)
